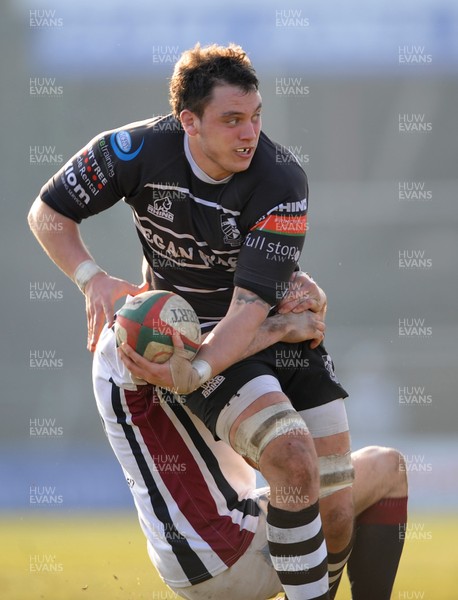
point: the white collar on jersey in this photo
(197, 170)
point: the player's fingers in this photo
(143, 287)
(90, 316)
(177, 341)
(124, 287)
(299, 304)
(154, 373)
(304, 303)
(130, 362)
(102, 316)
(287, 306)
(128, 353)
(307, 303)
(108, 312)
(320, 326)
(317, 340)
(178, 345)
(290, 299)
(98, 315)
(134, 357)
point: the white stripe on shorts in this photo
(327, 419)
(247, 394)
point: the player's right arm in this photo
(64, 245)
(86, 185)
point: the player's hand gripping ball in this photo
(146, 323)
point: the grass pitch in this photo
(103, 557)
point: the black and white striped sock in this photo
(336, 565)
(298, 552)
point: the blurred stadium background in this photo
(342, 85)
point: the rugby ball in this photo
(146, 322)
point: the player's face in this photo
(224, 140)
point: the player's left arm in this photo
(236, 337)
(254, 294)
(244, 330)
(222, 347)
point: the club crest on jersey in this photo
(161, 208)
(329, 367)
(230, 230)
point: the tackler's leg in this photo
(380, 494)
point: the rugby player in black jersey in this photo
(220, 211)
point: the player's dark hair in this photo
(198, 71)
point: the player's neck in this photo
(198, 164)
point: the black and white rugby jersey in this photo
(201, 237)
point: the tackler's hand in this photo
(303, 294)
(302, 326)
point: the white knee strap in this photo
(336, 473)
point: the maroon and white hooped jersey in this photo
(195, 497)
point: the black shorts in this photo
(306, 376)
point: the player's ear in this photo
(190, 122)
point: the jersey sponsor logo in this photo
(282, 252)
(161, 208)
(232, 235)
(91, 172)
(167, 248)
(121, 143)
(293, 207)
(191, 255)
(274, 250)
(106, 157)
(283, 224)
(71, 181)
(213, 260)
